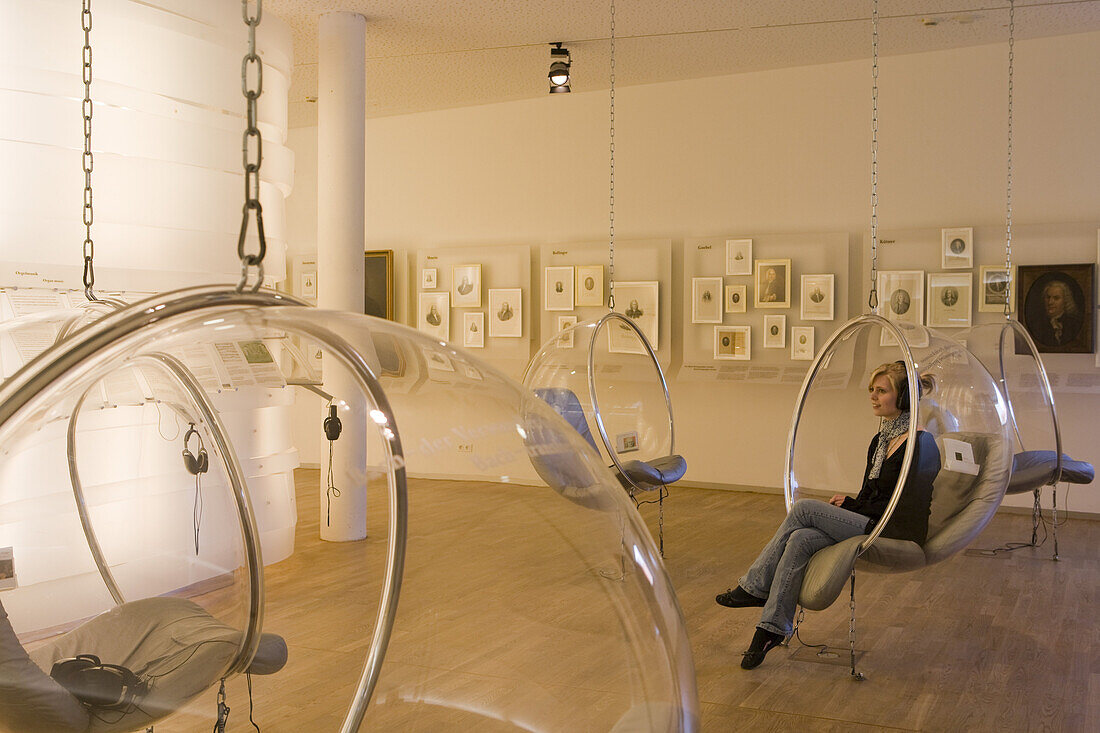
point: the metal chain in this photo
(872, 299)
(1008, 188)
(252, 152)
(852, 626)
(86, 158)
(611, 233)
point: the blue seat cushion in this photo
(1034, 468)
(566, 404)
(649, 475)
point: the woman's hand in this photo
(837, 499)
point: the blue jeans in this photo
(777, 573)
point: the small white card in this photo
(959, 457)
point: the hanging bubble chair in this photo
(604, 379)
(117, 553)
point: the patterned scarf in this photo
(888, 430)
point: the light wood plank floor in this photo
(977, 644)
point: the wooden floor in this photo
(1002, 643)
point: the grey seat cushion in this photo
(649, 475)
(566, 404)
(1033, 469)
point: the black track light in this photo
(559, 69)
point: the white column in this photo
(341, 125)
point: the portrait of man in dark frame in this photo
(1056, 305)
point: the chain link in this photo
(872, 299)
(611, 225)
(1008, 187)
(852, 625)
(252, 151)
(86, 159)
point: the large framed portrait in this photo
(993, 284)
(466, 286)
(378, 283)
(738, 256)
(473, 330)
(434, 315)
(506, 312)
(1056, 305)
(639, 302)
(950, 299)
(558, 288)
(733, 343)
(775, 331)
(589, 287)
(957, 248)
(817, 297)
(773, 284)
(802, 343)
(901, 293)
(736, 298)
(706, 300)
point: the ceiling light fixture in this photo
(559, 69)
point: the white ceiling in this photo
(434, 54)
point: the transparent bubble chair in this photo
(132, 531)
(961, 441)
(604, 379)
(1011, 356)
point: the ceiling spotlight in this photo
(559, 69)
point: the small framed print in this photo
(428, 279)
(565, 340)
(993, 289)
(506, 312)
(307, 284)
(738, 256)
(733, 343)
(589, 286)
(473, 330)
(802, 343)
(773, 284)
(639, 303)
(775, 332)
(466, 286)
(901, 293)
(706, 300)
(558, 288)
(434, 315)
(957, 248)
(8, 579)
(817, 297)
(950, 298)
(736, 296)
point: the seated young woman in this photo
(775, 579)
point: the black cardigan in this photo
(910, 518)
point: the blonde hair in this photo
(894, 371)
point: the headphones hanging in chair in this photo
(332, 424)
(195, 464)
(98, 685)
(902, 402)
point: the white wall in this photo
(779, 151)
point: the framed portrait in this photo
(802, 343)
(437, 360)
(738, 256)
(378, 283)
(901, 293)
(775, 332)
(433, 315)
(817, 297)
(638, 301)
(957, 248)
(565, 340)
(706, 300)
(773, 284)
(429, 279)
(589, 286)
(1056, 305)
(733, 343)
(466, 286)
(558, 288)
(950, 299)
(736, 296)
(506, 312)
(473, 330)
(993, 283)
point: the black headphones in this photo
(902, 402)
(194, 464)
(332, 424)
(98, 685)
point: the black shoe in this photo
(763, 641)
(738, 597)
